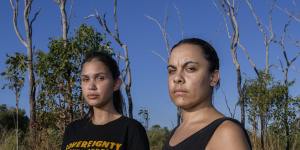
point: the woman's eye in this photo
(190, 69)
(171, 71)
(100, 78)
(84, 79)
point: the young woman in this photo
(193, 72)
(105, 128)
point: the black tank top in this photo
(200, 139)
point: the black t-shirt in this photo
(200, 139)
(121, 134)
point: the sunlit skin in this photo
(190, 87)
(97, 86)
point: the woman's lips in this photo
(92, 96)
(180, 92)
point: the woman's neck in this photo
(202, 113)
(102, 116)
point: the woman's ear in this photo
(117, 84)
(214, 78)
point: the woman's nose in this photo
(92, 85)
(178, 78)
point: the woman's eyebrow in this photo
(171, 66)
(189, 62)
(83, 75)
(185, 64)
(96, 74)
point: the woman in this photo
(193, 73)
(105, 127)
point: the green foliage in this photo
(270, 102)
(47, 139)
(259, 92)
(157, 137)
(15, 72)
(8, 118)
(263, 95)
(8, 140)
(86, 39)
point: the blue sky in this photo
(200, 18)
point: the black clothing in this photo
(121, 134)
(200, 139)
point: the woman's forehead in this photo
(94, 65)
(186, 52)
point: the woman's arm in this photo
(229, 136)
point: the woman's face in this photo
(97, 84)
(189, 78)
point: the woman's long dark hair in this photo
(113, 67)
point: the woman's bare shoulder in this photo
(229, 135)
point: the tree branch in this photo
(249, 58)
(290, 14)
(163, 31)
(15, 8)
(257, 20)
(161, 57)
(267, 39)
(116, 19)
(179, 20)
(34, 17)
(232, 114)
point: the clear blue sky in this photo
(200, 18)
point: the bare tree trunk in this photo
(262, 132)
(130, 104)
(241, 97)
(128, 84)
(64, 20)
(28, 44)
(32, 89)
(286, 108)
(285, 70)
(127, 77)
(254, 126)
(230, 10)
(65, 29)
(69, 99)
(17, 118)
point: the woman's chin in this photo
(180, 102)
(93, 103)
(185, 104)
(98, 103)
